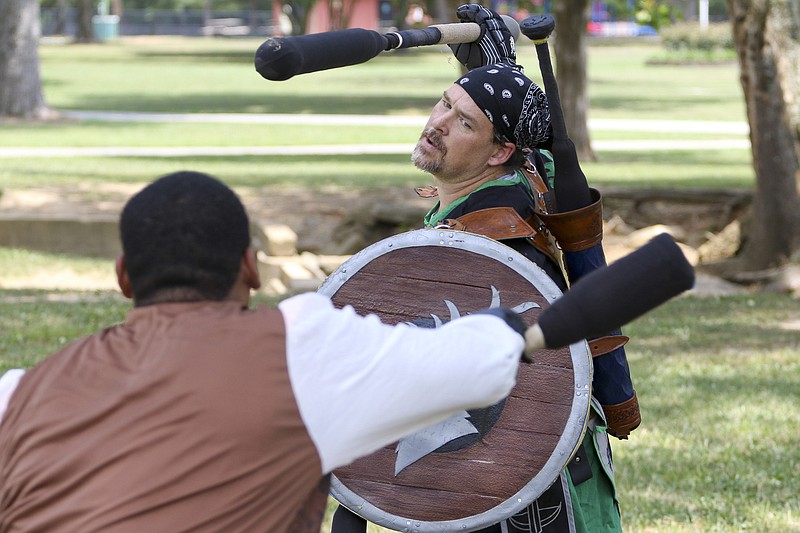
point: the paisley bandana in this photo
(513, 103)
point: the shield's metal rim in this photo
(576, 422)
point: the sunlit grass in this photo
(185, 75)
(718, 379)
(668, 169)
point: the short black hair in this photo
(183, 237)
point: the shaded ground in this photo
(342, 221)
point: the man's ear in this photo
(250, 268)
(501, 153)
(123, 280)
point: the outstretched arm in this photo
(361, 384)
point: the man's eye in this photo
(446, 104)
(466, 124)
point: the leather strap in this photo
(501, 223)
(544, 198)
(609, 343)
(497, 223)
(580, 469)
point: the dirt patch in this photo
(340, 221)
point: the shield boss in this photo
(492, 462)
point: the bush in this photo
(689, 36)
(688, 43)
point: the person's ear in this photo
(123, 280)
(250, 268)
(501, 153)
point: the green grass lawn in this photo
(717, 380)
(189, 75)
(186, 75)
(720, 169)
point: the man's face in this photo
(457, 141)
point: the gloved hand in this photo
(496, 44)
(511, 318)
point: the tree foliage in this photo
(654, 13)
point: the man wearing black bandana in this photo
(477, 164)
(487, 145)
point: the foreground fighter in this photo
(484, 144)
(201, 414)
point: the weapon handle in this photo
(451, 33)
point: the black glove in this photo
(496, 44)
(511, 318)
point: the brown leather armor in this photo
(579, 229)
(623, 418)
(500, 223)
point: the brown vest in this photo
(181, 419)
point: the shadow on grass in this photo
(672, 157)
(268, 103)
(690, 325)
(311, 172)
(212, 56)
(634, 106)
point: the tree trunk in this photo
(208, 10)
(61, 17)
(85, 28)
(570, 54)
(20, 85)
(252, 17)
(339, 14)
(767, 37)
(298, 13)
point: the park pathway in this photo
(736, 135)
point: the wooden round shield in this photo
(498, 460)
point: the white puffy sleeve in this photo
(8, 384)
(361, 384)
